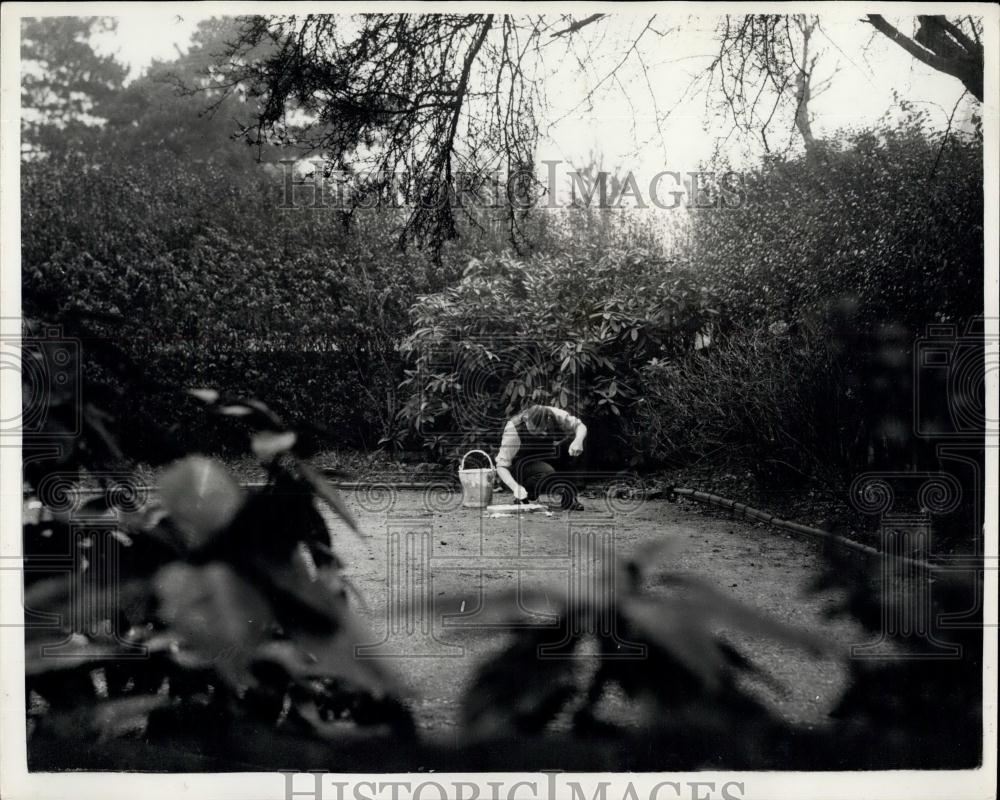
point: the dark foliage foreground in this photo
(212, 630)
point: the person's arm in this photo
(573, 425)
(576, 446)
(518, 490)
(509, 445)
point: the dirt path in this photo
(451, 558)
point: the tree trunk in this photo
(803, 89)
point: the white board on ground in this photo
(503, 508)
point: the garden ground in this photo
(457, 556)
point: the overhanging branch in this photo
(968, 68)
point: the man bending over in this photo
(540, 448)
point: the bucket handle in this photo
(490, 460)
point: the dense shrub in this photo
(569, 332)
(796, 409)
(891, 217)
(197, 271)
(758, 396)
(826, 278)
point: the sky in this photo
(620, 126)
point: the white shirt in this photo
(510, 443)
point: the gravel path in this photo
(459, 557)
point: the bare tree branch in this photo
(959, 57)
(578, 25)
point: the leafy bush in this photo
(550, 329)
(757, 397)
(891, 218)
(196, 272)
(209, 604)
(825, 278)
(660, 649)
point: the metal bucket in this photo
(477, 484)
